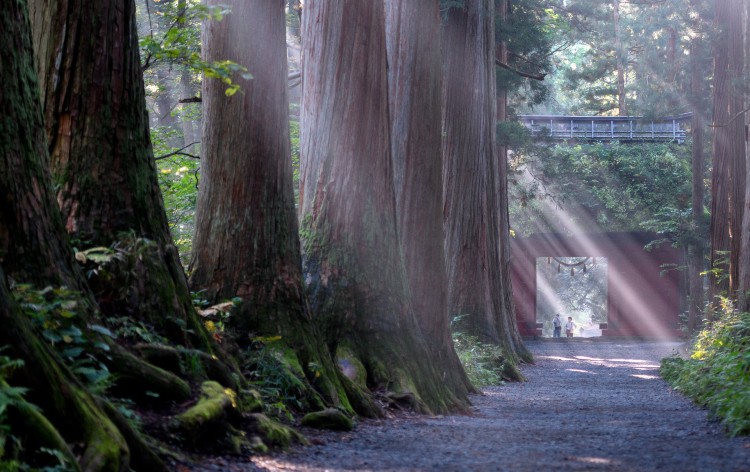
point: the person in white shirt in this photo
(570, 327)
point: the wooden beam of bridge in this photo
(607, 128)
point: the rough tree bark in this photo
(33, 237)
(102, 161)
(744, 282)
(246, 241)
(695, 248)
(508, 323)
(351, 255)
(414, 85)
(476, 288)
(28, 212)
(728, 177)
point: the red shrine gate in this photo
(642, 297)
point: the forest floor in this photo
(587, 405)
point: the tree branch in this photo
(503, 65)
(179, 152)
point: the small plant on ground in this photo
(484, 363)
(276, 376)
(717, 374)
(56, 312)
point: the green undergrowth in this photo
(13, 450)
(717, 373)
(484, 363)
(274, 370)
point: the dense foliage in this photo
(716, 374)
(607, 187)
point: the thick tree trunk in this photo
(736, 135)
(507, 309)
(102, 159)
(727, 198)
(414, 84)
(744, 282)
(33, 237)
(352, 258)
(28, 211)
(246, 240)
(473, 212)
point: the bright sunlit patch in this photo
(581, 371)
(645, 377)
(634, 361)
(593, 460)
(555, 358)
(641, 306)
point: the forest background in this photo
(343, 220)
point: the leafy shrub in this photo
(717, 374)
(484, 363)
(57, 315)
(12, 451)
(275, 372)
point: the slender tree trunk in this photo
(620, 59)
(470, 178)
(414, 82)
(103, 164)
(165, 98)
(351, 255)
(246, 240)
(695, 249)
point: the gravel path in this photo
(587, 405)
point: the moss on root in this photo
(216, 406)
(272, 432)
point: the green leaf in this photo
(101, 330)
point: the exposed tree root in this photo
(137, 377)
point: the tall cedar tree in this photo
(33, 237)
(475, 234)
(508, 321)
(696, 246)
(744, 282)
(728, 178)
(414, 85)
(351, 255)
(102, 161)
(246, 240)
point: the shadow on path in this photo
(586, 406)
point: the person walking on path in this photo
(570, 327)
(557, 325)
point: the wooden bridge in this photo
(607, 128)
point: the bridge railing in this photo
(600, 128)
